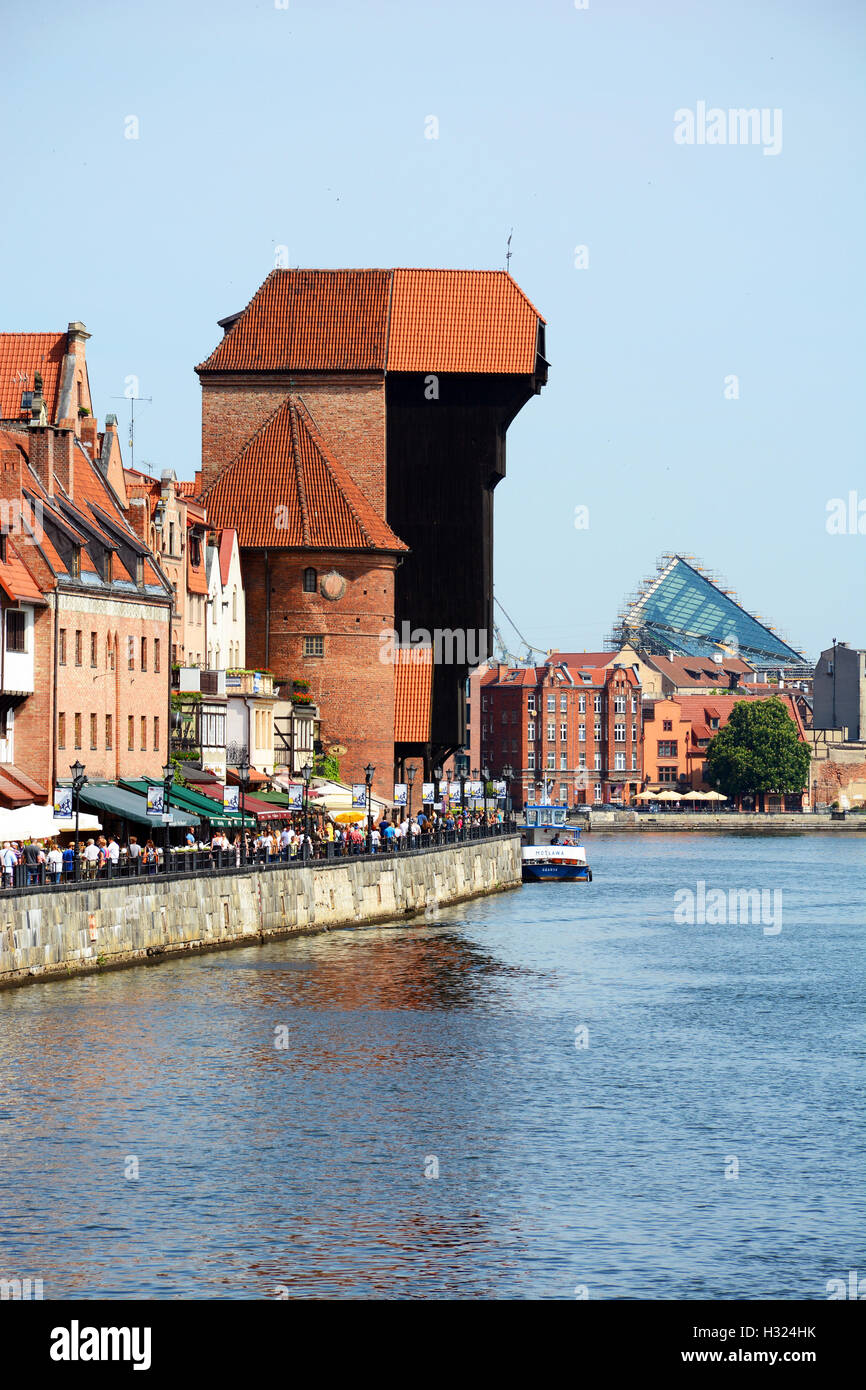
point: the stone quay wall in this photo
(57, 932)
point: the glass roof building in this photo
(682, 610)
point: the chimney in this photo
(41, 454)
(88, 435)
(64, 456)
(733, 680)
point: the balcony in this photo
(249, 683)
(194, 680)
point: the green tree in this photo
(758, 751)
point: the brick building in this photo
(404, 383)
(173, 526)
(98, 638)
(318, 563)
(570, 723)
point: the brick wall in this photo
(121, 692)
(353, 688)
(349, 411)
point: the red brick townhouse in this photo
(95, 631)
(571, 722)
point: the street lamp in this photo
(78, 781)
(306, 773)
(369, 772)
(410, 778)
(485, 773)
(243, 770)
(507, 773)
(167, 779)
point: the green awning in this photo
(188, 800)
(275, 798)
(128, 805)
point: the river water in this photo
(618, 1104)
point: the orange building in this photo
(666, 745)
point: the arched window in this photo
(309, 580)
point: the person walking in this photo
(54, 862)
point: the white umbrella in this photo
(695, 796)
(37, 823)
(669, 796)
(715, 796)
(647, 796)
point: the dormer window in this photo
(310, 578)
(139, 570)
(75, 563)
(107, 567)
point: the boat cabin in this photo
(546, 825)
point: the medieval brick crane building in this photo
(353, 431)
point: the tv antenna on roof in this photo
(132, 400)
(508, 253)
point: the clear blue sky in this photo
(305, 127)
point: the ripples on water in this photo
(304, 1168)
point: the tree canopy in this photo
(758, 750)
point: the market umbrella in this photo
(647, 796)
(669, 796)
(715, 796)
(695, 796)
(349, 817)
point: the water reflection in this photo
(303, 1167)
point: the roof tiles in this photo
(413, 694)
(287, 489)
(21, 356)
(378, 320)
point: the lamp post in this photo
(410, 778)
(243, 767)
(507, 773)
(78, 781)
(369, 772)
(167, 779)
(437, 778)
(306, 773)
(485, 773)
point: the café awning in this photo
(186, 799)
(128, 805)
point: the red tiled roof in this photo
(16, 580)
(225, 553)
(34, 790)
(461, 321)
(697, 710)
(687, 671)
(378, 320)
(413, 694)
(186, 488)
(21, 356)
(315, 320)
(196, 576)
(287, 489)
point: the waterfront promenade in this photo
(198, 905)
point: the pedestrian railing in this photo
(192, 863)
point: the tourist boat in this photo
(551, 848)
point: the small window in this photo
(144, 733)
(667, 725)
(93, 742)
(75, 562)
(314, 646)
(61, 731)
(108, 732)
(144, 653)
(130, 733)
(130, 653)
(78, 646)
(16, 630)
(156, 733)
(78, 731)
(156, 653)
(309, 580)
(61, 646)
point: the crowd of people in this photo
(107, 856)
